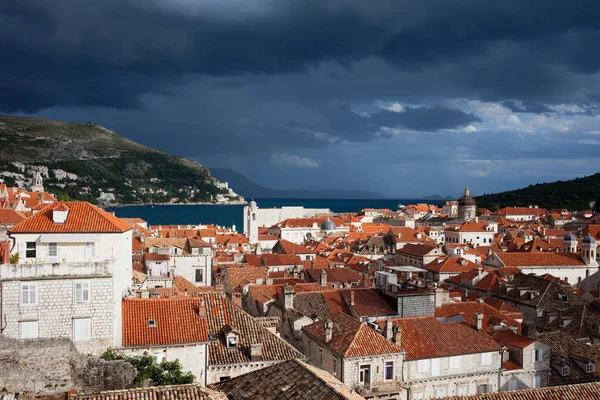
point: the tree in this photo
(163, 373)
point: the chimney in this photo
(256, 352)
(480, 300)
(328, 330)
(185, 292)
(201, 307)
(288, 297)
(397, 334)
(352, 297)
(388, 329)
(236, 298)
(478, 317)
(323, 278)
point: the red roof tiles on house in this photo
(156, 322)
(82, 217)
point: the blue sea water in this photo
(233, 215)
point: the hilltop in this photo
(575, 194)
(79, 161)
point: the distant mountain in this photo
(78, 161)
(249, 189)
(575, 194)
(438, 197)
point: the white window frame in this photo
(487, 359)
(35, 249)
(423, 366)
(440, 392)
(26, 300)
(86, 337)
(537, 381)
(196, 275)
(28, 330)
(589, 368)
(90, 250)
(385, 366)
(462, 389)
(537, 355)
(49, 256)
(454, 362)
(85, 286)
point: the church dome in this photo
(589, 240)
(569, 237)
(466, 199)
(253, 204)
(328, 225)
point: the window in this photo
(537, 355)
(454, 362)
(199, 275)
(435, 367)
(224, 378)
(28, 330)
(90, 250)
(81, 329)
(52, 252)
(440, 392)
(321, 356)
(565, 371)
(537, 381)
(364, 375)
(418, 396)
(82, 292)
(151, 323)
(334, 367)
(486, 359)
(388, 370)
(484, 388)
(422, 365)
(29, 294)
(232, 342)
(462, 389)
(589, 368)
(512, 384)
(30, 250)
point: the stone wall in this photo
(54, 365)
(56, 308)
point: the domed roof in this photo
(253, 204)
(466, 199)
(588, 239)
(569, 237)
(328, 225)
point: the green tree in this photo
(163, 373)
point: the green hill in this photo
(575, 194)
(101, 161)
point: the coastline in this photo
(238, 203)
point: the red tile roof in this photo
(512, 339)
(352, 338)
(82, 217)
(522, 259)
(468, 308)
(426, 337)
(176, 322)
(275, 260)
(192, 391)
(8, 216)
(450, 264)
(288, 247)
(587, 391)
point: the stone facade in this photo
(57, 308)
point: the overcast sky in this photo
(406, 98)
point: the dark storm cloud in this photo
(84, 52)
(526, 107)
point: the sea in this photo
(230, 215)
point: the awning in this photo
(68, 238)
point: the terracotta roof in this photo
(291, 379)
(587, 391)
(8, 216)
(156, 257)
(522, 259)
(288, 247)
(188, 392)
(416, 249)
(352, 338)
(367, 302)
(426, 337)
(334, 275)
(83, 217)
(510, 365)
(238, 275)
(450, 264)
(175, 322)
(280, 259)
(220, 312)
(512, 339)
(468, 308)
(521, 211)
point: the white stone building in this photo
(475, 233)
(74, 267)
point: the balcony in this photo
(46, 270)
(379, 388)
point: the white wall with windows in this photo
(79, 309)
(196, 268)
